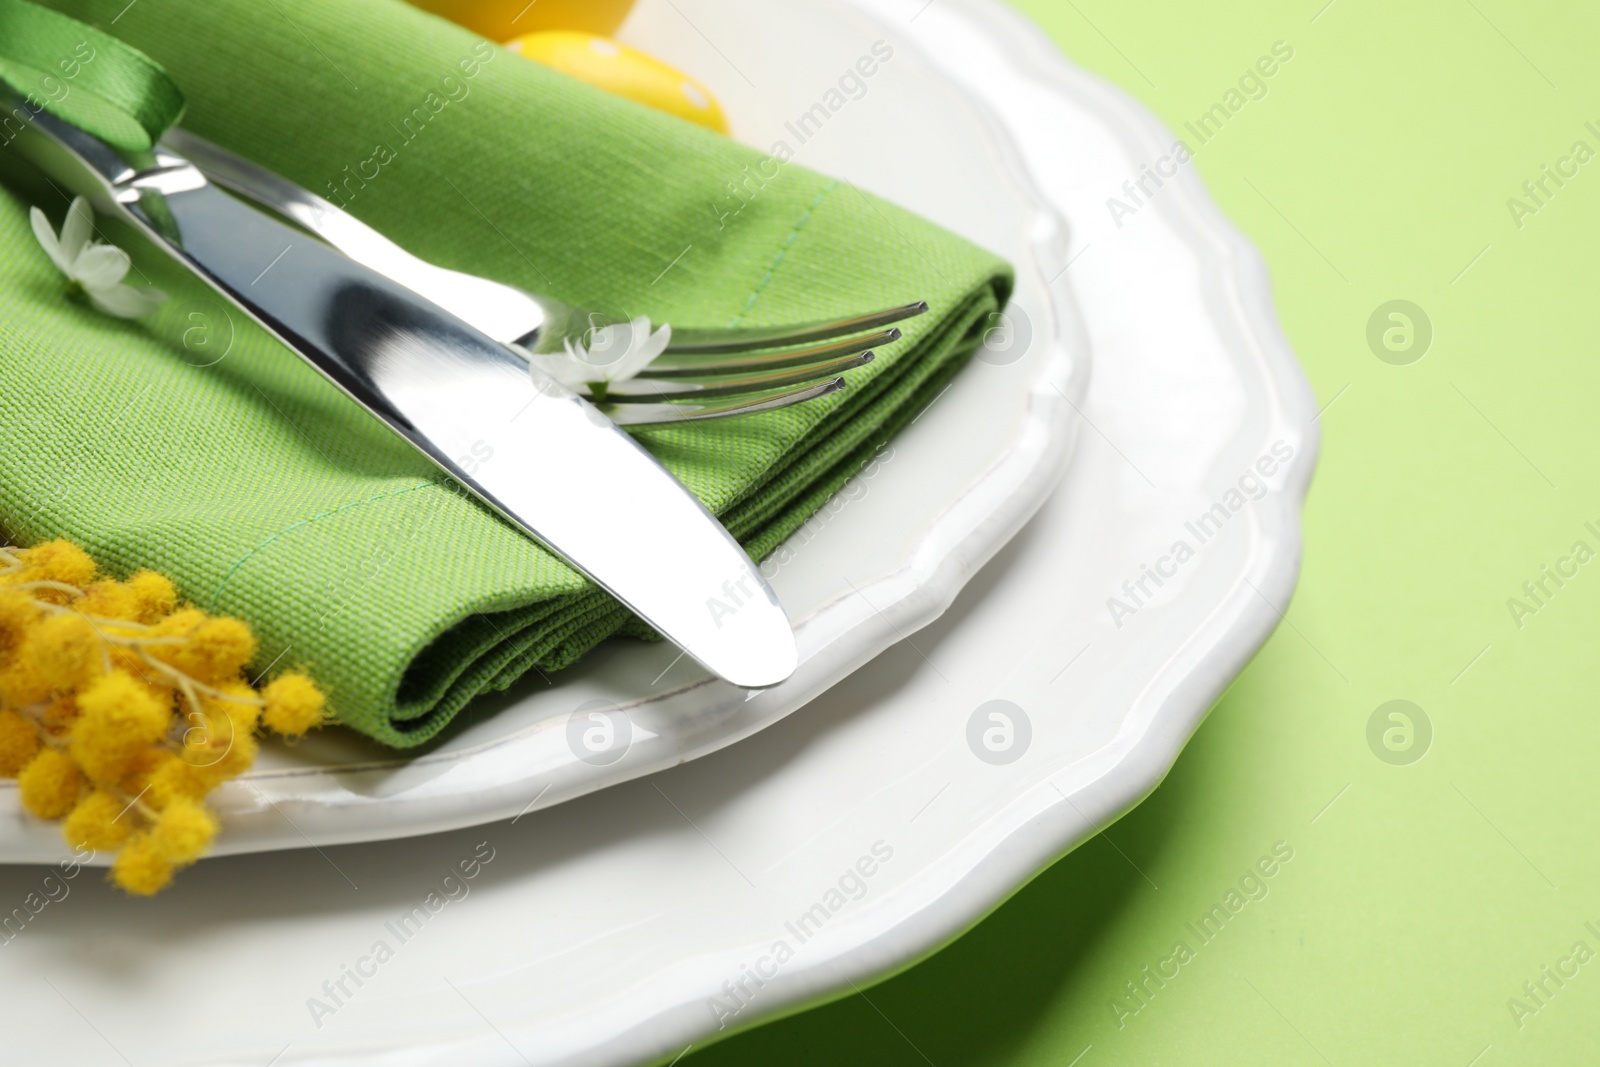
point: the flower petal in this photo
(100, 267)
(638, 332)
(660, 340)
(76, 230)
(126, 302)
(608, 347)
(643, 349)
(567, 369)
(47, 241)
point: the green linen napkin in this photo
(267, 494)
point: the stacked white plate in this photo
(951, 730)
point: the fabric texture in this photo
(87, 77)
(195, 443)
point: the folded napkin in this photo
(267, 494)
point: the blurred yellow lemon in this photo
(500, 20)
(625, 71)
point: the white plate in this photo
(885, 557)
(608, 930)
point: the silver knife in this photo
(560, 470)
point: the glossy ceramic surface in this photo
(845, 842)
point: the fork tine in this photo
(645, 391)
(699, 367)
(749, 339)
(662, 414)
(504, 312)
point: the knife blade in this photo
(560, 471)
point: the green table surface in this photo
(1380, 165)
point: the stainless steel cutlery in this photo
(703, 373)
(561, 471)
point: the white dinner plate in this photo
(883, 558)
(842, 843)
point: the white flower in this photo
(98, 268)
(612, 353)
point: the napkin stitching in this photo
(783, 251)
(226, 578)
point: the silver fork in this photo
(703, 373)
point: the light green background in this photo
(1378, 167)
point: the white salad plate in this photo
(842, 843)
(884, 558)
